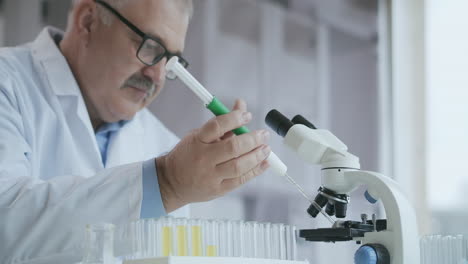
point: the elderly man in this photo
(77, 145)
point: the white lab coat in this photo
(52, 181)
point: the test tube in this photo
(135, 239)
(99, 247)
(278, 241)
(260, 240)
(196, 238)
(144, 229)
(267, 235)
(282, 240)
(212, 238)
(238, 238)
(229, 239)
(225, 238)
(423, 250)
(447, 250)
(151, 237)
(167, 237)
(250, 244)
(180, 245)
(291, 246)
(465, 248)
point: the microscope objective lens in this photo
(301, 190)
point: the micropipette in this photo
(173, 67)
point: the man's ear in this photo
(85, 18)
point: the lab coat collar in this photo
(55, 71)
(60, 77)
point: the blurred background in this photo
(387, 77)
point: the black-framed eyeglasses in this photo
(151, 51)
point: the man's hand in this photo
(212, 161)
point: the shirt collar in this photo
(111, 127)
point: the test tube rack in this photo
(211, 260)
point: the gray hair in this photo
(107, 18)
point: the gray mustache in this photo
(141, 83)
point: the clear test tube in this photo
(238, 238)
(459, 249)
(151, 238)
(99, 247)
(423, 250)
(167, 226)
(431, 251)
(447, 258)
(248, 243)
(291, 246)
(144, 230)
(140, 238)
(196, 244)
(180, 245)
(133, 227)
(225, 238)
(282, 240)
(158, 224)
(251, 239)
(211, 238)
(437, 249)
(275, 243)
(260, 240)
(450, 251)
(229, 239)
(267, 239)
(465, 248)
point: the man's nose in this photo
(157, 72)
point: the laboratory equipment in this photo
(438, 249)
(99, 244)
(393, 240)
(164, 238)
(175, 69)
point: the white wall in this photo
(408, 92)
(22, 20)
(447, 111)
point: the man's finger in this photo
(240, 166)
(228, 135)
(237, 146)
(240, 105)
(220, 125)
(231, 184)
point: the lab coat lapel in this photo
(127, 145)
(51, 63)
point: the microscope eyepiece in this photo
(301, 120)
(278, 122)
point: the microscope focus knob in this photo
(372, 254)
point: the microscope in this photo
(393, 240)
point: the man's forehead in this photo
(163, 20)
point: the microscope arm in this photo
(401, 235)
